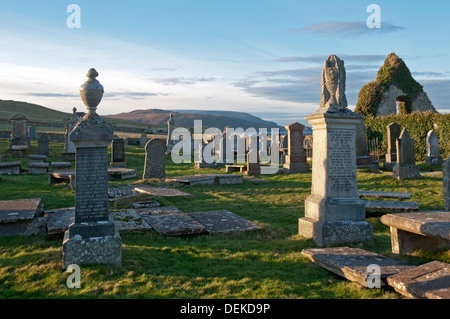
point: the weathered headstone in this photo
(393, 133)
(406, 164)
(155, 159)
(43, 143)
(19, 142)
(92, 238)
(333, 212)
(143, 140)
(253, 167)
(362, 152)
(118, 152)
(33, 133)
(446, 183)
(69, 148)
(295, 160)
(433, 153)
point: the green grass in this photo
(266, 263)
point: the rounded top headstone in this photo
(91, 91)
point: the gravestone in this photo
(363, 158)
(118, 152)
(253, 167)
(155, 159)
(433, 153)
(69, 148)
(19, 140)
(143, 140)
(43, 143)
(202, 163)
(406, 164)
(170, 127)
(33, 133)
(393, 133)
(92, 238)
(446, 183)
(334, 214)
(295, 160)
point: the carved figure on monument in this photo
(333, 85)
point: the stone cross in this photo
(92, 238)
(295, 160)
(43, 142)
(433, 153)
(155, 159)
(334, 214)
(406, 163)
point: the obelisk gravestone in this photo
(92, 238)
(333, 212)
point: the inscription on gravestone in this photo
(91, 195)
(118, 152)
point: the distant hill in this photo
(185, 118)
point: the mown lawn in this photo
(265, 263)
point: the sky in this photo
(263, 57)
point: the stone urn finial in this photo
(91, 92)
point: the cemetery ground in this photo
(265, 263)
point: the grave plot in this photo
(353, 263)
(21, 217)
(160, 191)
(58, 220)
(171, 221)
(428, 281)
(210, 179)
(223, 221)
(129, 220)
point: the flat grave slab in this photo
(223, 221)
(171, 221)
(384, 194)
(195, 180)
(398, 206)
(121, 173)
(58, 220)
(256, 180)
(68, 176)
(353, 263)
(421, 230)
(224, 179)
(61, 165)
(160, 191)
(235, 168)
(129, 220)
(428, 281)
(10, 168)
(12, 211)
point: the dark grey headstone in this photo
(393, 133)
(43, 145)
(33, 133)
(406, 163)
(118, 152)
(155, 159)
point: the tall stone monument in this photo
(155, 159)
(393, 133)
(446, 183)
(433, 152)
(406, 164)
(69, 147)
(333, 212)
(92, 238)
(295, 160)
(170, 127)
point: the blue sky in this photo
(258, 56)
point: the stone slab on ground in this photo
(420, 230)
(160, 191)
(58, 220)
(223, 221)
(226, 179)
(428, 281)
(68, 176)
(384, 194)
(353, 263)
(129, 220)
(235, 168)
(256, 180)
(195, 180)
(121, 173)
(21, 217)
(398, 206)
(10, 168)
(12, 211)
(171, 221)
